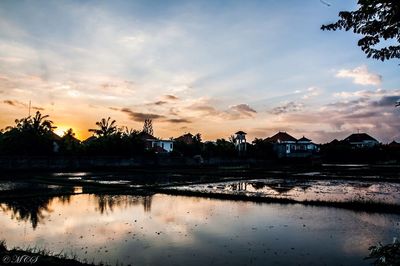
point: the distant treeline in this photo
(34, 136)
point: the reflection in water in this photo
(35, 210)
(107, 203)
(176, 230)
(257, 185)
(305, 190)
(238, 186)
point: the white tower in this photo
(240, 142)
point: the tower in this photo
(240, 142)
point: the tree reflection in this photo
(107, 203)
(35, 210)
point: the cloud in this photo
(311, 92)
(16, 103)
(243, 109)
(22, 105)
(363, 93)
(360, 75)
(11, 102)
(171, 97)
(375, 115)
(139, 117)
(178, 120)
(204, 108)
(387, 101)
(287, 108)
(158, 103)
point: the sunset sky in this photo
(212, 67)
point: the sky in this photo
(213, 67)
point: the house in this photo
(305, 144)
(186, 138)
(162, 146)
(283, 143)
(286, 145)
(394, 144)
(361, 140)
(158, 145)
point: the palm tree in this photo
(106, 128)
(128, 132)
(39, 124)
(69, 133)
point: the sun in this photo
(60, 130)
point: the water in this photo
(305, 190)
(177, 230)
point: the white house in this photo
(287, 146)
(305, 144)
(160, 145)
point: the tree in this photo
(376, 20)
(70, 144)
(106, 128)
(148, 127)
(69, 133)
(197, 138)
(30, 136)
(39, 124)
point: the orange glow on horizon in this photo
(62, 129)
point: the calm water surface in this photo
(176, 230)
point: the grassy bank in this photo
(33, 256)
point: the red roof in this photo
(146, 136)
(281, 136)
(187, 138)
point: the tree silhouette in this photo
(39, 124)
(69, 133)
(106, 128)
(128, 132)
(69, 143)
(376, 20)
(30, 136)
(197, 138)
(148, 127)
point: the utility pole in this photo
(29, 111)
